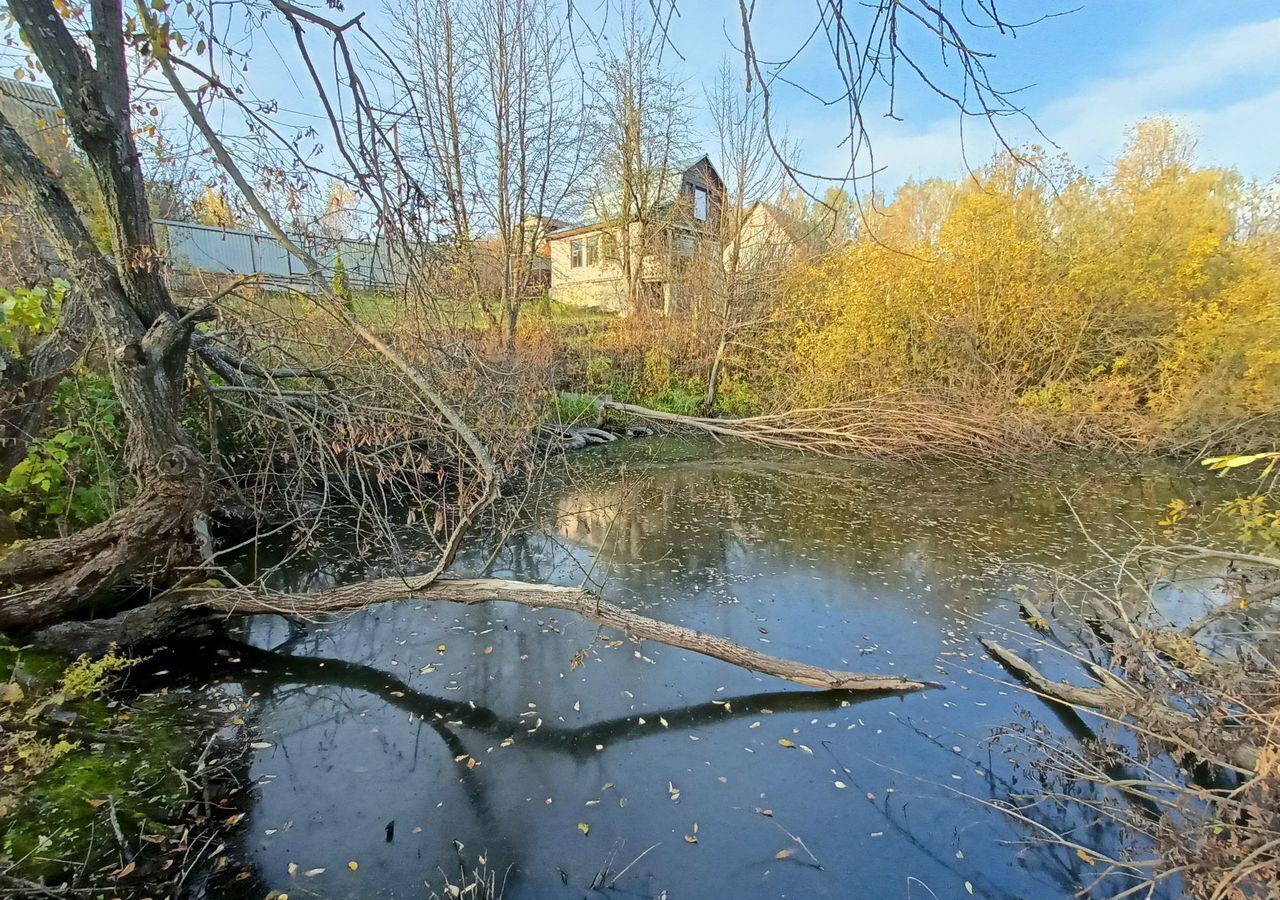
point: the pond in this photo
(568, 757)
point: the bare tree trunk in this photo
(713, 382)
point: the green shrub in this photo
(574, 408)
(74, 475)
(27, 312)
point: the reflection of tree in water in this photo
(673, 523)
(463, 726)
(291, 681)
(916, 538)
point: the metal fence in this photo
(193, 249)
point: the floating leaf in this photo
(786, 743)
(584, 828)
(783, 854)
(353, 865)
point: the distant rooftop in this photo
(39, 101)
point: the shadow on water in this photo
(558, 750)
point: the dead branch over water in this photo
(1205, 694)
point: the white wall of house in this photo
(597, 282)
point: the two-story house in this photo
(682, 227)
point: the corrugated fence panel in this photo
(200, 248)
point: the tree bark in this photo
(50, 580)
(145, 339)
(545, 596)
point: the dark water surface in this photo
(473, 725)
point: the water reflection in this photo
(558, 749)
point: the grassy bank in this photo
(102, 786)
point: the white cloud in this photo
(1186, 80)
(1224, 84)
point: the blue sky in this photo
(1084, 76)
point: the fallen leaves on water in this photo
(674, 792)
(692, 838)
(353, 865)
(584, 828)
(312, 873)
(765, 812)
(261, 745)
(783, 854)
(786, 743)
(1085, 858)
(293, 869)
(126, 871)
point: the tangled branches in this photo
(1200, 690)
(881, 427)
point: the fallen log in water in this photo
(133, 625)
(889, 426)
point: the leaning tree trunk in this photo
(144, 337)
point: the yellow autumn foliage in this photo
(1143, 308)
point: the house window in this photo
(700, 204)
(583, 252)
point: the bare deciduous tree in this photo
(644, 130)
(499, 124)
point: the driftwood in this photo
(192, 604)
